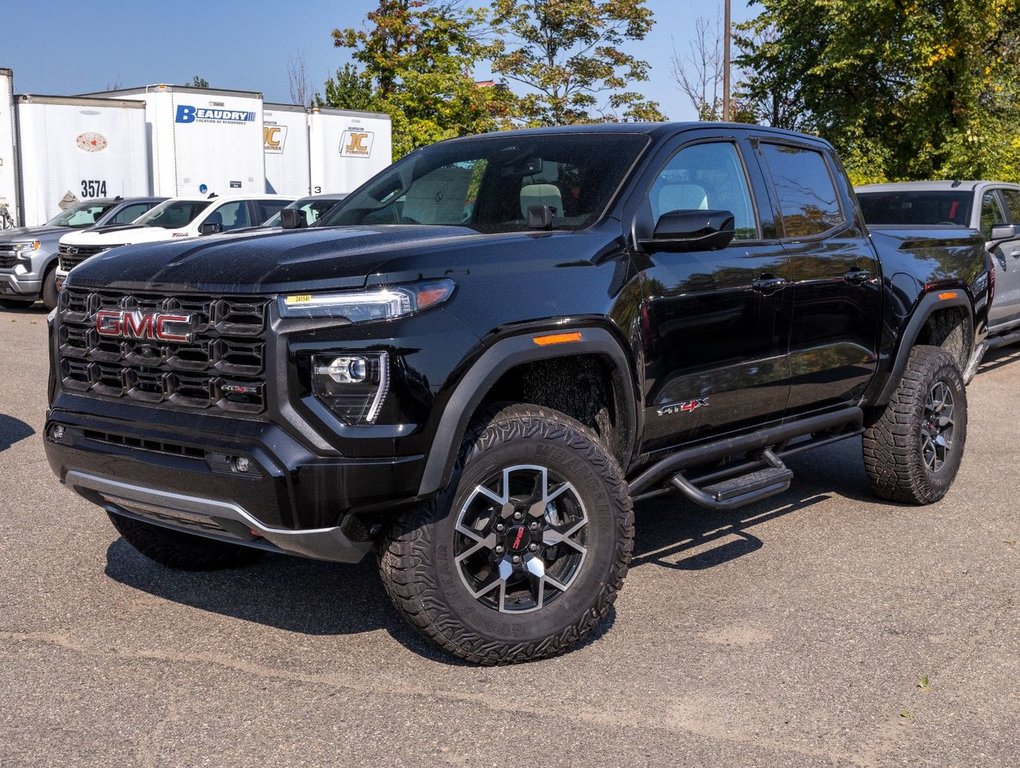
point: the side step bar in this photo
(738, 491)
(848, 419)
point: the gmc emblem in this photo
(143, 325)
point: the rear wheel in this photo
(182, 551)
(525, 552)
(913, 451)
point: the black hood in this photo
(104, 228)
(271, 261)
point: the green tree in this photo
(920, 89)
(413, 61)
(199, 82)
(568, 55)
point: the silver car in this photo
(28, 255)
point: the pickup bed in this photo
(477, 361)
(989, 207)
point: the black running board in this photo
(848, 420)
(738, 491)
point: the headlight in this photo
(28, 245)
(370, 304)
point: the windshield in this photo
(313, 210)
(80, 216)
(488, 183)
(173, 214)
(909, 207)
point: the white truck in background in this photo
(346, 149)
(178, 218)
(285, 140)
(203, 140)
(323, 151)
(9, 210)
(75, 149)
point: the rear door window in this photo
(268, 208)
(807, 195)
(991, 212)
(1012, 199)
(129, 213)
(230, 215)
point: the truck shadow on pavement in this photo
(12, 430)
(317, 598)
(673, 532)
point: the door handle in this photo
(767, 283)
(856, 276)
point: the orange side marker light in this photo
(557, 338)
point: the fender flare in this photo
(497, 360)
(930, 304)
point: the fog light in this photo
(241, 464)
(57, 433)
(352, 386)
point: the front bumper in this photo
(245, 481)
(19, 286)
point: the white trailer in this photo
(72, 149)
(285, 139)
(204, 140)
(8, 154)
(347, 148)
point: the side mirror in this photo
(210, 228)
(292, 218)
(692, 231)
(1005, 231)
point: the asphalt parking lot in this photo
(817, 628)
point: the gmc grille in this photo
(221, 369)
(71, 256)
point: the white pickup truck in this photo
(990, 207)
(180, 217)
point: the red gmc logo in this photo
(143, 325)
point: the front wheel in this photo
(525, 552)
(49, 289)
(913, 451)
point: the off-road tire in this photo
(181, 551)
(48, 294)
(428, 586)
(893, 445)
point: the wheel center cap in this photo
(517, 538)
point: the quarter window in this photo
(807, 195)
(705, 177)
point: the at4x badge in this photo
(685, 406)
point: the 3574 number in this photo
(93, 188)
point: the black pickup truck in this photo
(479, 359)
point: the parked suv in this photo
(178, 218)
(28, 255)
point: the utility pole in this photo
(726, 63)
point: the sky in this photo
(66, 47)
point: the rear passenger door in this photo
(835, 277)
(714, 323)
(1002, 206)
